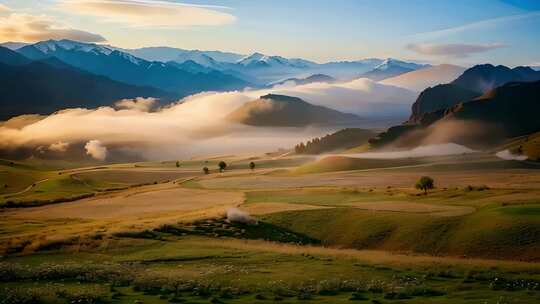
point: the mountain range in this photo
(124, 67)
(45, 86)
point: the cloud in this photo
(59, 146)
(4, 9)
(507, 155)
(95, 149)
(149, 14)
(196, 125)
(32, 28)
(458, 50)
(139, 103)
(479, 25)
(422, 151)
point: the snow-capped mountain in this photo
(165, 54)
(390, 63)
(124, 67)
(13, 45)
(391, 68)
(258, 60)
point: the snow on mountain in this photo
(51, 46)
(13, 45)
(261, 60)
(166, 54)
(390, 62)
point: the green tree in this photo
(222, 166)
(177, 164)
(206, 170)
(252, 165)
(425, 183)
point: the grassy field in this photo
(155, 233)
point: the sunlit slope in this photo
(476, 222)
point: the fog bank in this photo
(422, 151)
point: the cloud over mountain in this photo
(23, 27)
(458, 50)
(149, 14)
(197, 124)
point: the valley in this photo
(362, 233)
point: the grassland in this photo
(155, 233)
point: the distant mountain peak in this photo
(49, 46)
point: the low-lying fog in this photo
(422, 151)
(194, 125)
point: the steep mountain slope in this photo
(427, 77)
(439, 97)
(41, 88)
(391, 68)
(485, 77)
(120, 66)
(13, 45)
(513, 106)
(285, 111)
(10, 57)
(508, 111)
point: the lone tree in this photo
(252, 165)
(425, 183)
(222, 166)
(177, 164)
(206, 170)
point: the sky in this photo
(461, 32)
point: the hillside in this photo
(427, 77)
(485, 77)
(285, 111)
(39, 88)
(505, 112)
(340, 140)
(439, 97)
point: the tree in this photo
(425, 183)
(252, 165)
(177, 164)
(206, 170)
(222, 166)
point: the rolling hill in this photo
(421, 79)
(340, 140)
(284, 111)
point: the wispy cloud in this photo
(483, 24)
(20, 27)
(149, 14)
(459, 50)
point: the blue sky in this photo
(461, 32)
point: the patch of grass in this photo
(341, 163)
